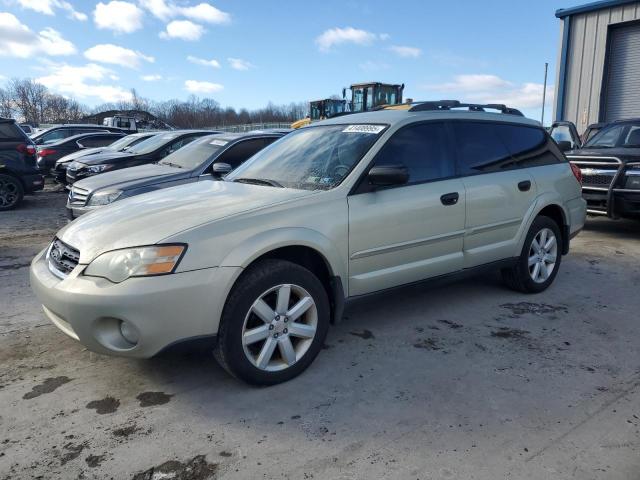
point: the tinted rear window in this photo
(10, 131)
(484, 147)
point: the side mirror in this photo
(388, 175)
(221, 169)
(565, 145)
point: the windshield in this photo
(195, 153)
(313, 158)
(127, 141)
(625, 135)
(151, 144)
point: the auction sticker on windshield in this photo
(375, 129)
(220, 143)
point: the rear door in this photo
(500, 189)
(410, 232)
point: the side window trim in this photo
(361, 185)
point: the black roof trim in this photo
(433, 105)
(591, 7)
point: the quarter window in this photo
(423, 149)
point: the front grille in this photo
(62, 258)
(600, 179)
(78, 196)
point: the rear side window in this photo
(9, 131)
(97, 141)
(423, 149)
(484, 147)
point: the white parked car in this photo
(263, 261)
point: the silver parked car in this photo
(265, 260)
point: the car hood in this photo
(624, 154)
(106, 157)
(149, 218)
(80, 153)
(130, 177)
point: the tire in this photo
(11, 192)
(527, 278)
(252, 306)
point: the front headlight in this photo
(74, 166)
(104, 198)
(98, 168)
(118, 265)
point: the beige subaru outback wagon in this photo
(264, 261)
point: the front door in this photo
(406, 233)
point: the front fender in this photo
(254, 247)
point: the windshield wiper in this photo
(169, 164)
(259, 181)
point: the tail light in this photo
(46, 151)
(577, 173)
(26, 149)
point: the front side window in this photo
(312, 158)
(241, 152)
(632, 138)
(423, 149)
(194, 154)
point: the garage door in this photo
(623, 81)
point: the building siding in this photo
(585, 64)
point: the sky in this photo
(246, 53)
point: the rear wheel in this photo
(539, 260)
(273, 324)
(11, 192)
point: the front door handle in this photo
(450, 198)
(524, 186)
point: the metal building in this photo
(598, 71)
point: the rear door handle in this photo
(524, 186)
(450, 198)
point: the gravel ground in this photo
(467, 380)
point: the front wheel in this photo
(539, 260)
(273, 324)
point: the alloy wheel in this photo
(8, 193)
(279, 327)
(542, 255)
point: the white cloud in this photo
(47, 7)
(239, 64)
(195, 86)
(80, 82)
(18, 40)
(492, 89)
(183, 29)
(121, 17)
(337, 36)
(406, 52)
(109, 53)
(203, 12)
(206, 13)
(205, 63)
(151, 78)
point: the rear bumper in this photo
(33, 182)
(162, 310)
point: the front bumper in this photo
(605, 189)
(163, 310)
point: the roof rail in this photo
(431, 105)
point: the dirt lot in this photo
(467, 381)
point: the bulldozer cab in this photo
(367, 96)
(326, 108)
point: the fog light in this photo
(129, 332)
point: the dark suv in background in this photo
(18, 172)
(610, 164)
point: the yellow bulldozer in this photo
(364, 97)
